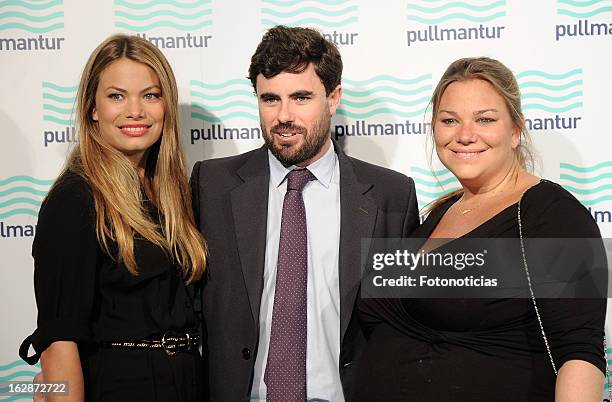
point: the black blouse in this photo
(86, 296)
(483, 349)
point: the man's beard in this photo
(313, 141)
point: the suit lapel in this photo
(250, 209)
(357, 219)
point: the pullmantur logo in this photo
(447, 20)
(168, 24)
(20, 196)
(58, 113)
(36, 19)
(584, 18)
(591, 185)
(226, 110)
(383, 105)
(551, 101)
(332, 17)
(17, 370)
(432, 184)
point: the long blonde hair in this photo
(504, 82)
(114, 181)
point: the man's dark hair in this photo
(284, 49)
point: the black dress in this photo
(85, 296)
(483, 349)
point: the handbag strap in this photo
(537, 311)
(533, 299)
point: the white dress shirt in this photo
(322, 204)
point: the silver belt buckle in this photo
(170, 350)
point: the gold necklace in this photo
(467, 210)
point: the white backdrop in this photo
(394, 52)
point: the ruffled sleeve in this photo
(66, 253)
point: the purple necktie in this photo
(285, 375)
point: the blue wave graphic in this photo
(389, 78)
(225, 106)
(397, 91)
(589, 184)
(29, 179)
(153, 3)
(586, 180)
(383, 110)
(30, 5)
(222, 96)
(387, 100)
(586, 169)
(17, 398)
(431, 185)
(18, 374)
(551, 92)
(424, 12)
(223, 101)
(179, 15)
(547, 75)
(552, 109)
(59, 103)
(582, 9)
(21, 195)
(320, 13)
(287, 3)
(214, 119)
(33, 17)
(314, 10)
(369, 97)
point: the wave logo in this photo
(554, 93)
(431, 185)
(16, 371)
(32, 16)
(215, 103)
(22, 195)
(140, 16)
(432, 12)
(591, 185)
(551, 94)
(583, 8)
(579, 12)
(320, 13)
(385, 94)
(58, 103)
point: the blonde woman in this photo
(487, 349)
(116, 251)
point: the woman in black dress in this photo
(487, 349)
(116, 251)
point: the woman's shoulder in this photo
(70, 193)
(70, 185)
(547, 195)
(549, 205)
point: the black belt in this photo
(171, 342)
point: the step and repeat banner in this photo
(394, 52)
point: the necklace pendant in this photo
(466, 211)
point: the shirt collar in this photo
(322, 169)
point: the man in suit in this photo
(281, 285)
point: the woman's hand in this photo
(61, 363)
(579, 381)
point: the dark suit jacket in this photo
(231, 203)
